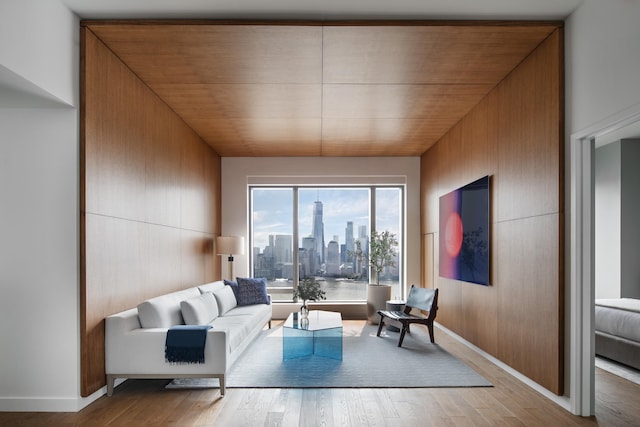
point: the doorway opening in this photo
(582, 252)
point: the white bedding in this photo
(617, 330)
(629, 304)
(619, 317)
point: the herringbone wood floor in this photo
(508, 403)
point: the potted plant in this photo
(382, 253)
(308, 290)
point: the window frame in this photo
(401, 187)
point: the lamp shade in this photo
(230, 245)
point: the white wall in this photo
(601, 83)
(39, 43)
(39, 208)
(607, 221)
(602, 58)
(39, 325)
(629, 215)
(317, 170)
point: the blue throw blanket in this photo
(185, 343)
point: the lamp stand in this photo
(230, 259)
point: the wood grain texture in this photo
(428, 259)
(321, 88)
(429, 193)
(151, 201)
(514, 136)
(508, 403)
(529, 321)
(213, 181)
(425, 54)
(530, 115)
(219, 54)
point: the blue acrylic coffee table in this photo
(320, 336)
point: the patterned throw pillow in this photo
(252, 291)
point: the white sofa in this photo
(135, 338)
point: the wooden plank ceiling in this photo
(310, 89)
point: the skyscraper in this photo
(318, 230)
(333, 259)
(310, 259)
(348, 241)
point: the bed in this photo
(618, 330)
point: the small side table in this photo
(394, 305)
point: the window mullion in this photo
(295, 240)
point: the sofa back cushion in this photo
(164, 311)
(234, 287)
(226, 299)
(211, 286)
(200, 310)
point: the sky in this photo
(273, 211)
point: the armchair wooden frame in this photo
(421, 299)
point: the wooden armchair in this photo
(420, 298)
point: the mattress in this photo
(619, 317)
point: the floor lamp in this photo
(230, 245)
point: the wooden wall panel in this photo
(514, 135)
(193, 185)
(478, 143)
(150, 205)
(122, 183)
(529, 121)
(450, 310)
(162, 195)
(450, 173)
(429, 191)
(161, 270)
(528, 318)
(428, 257)
(213, 179)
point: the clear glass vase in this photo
(304, 312)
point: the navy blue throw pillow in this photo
(252, 291)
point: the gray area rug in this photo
(367, 362)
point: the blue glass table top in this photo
(320, 336)
(318, 320)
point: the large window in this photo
(315, 229)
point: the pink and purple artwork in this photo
(464, 233)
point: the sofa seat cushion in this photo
(164, 311)
(237, 327)
(256, 311)
(200, 310)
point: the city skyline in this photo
(273, 212)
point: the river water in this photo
(336, 289)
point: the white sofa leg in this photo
(222, 385)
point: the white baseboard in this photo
(51, 404)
